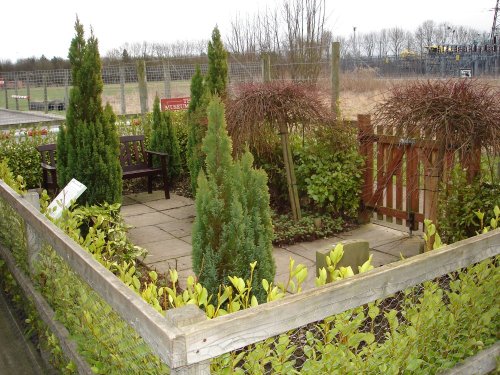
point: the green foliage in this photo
(88, 146)
(20, 151)
(217, 65)
(458, 202)
(233, 225)
(197, 115)
(164, 139)
(308, 228)
(331, 177)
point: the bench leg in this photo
(164, 176)
(150, 184)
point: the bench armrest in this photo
(157, 153)
(48, 167)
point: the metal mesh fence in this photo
(424, 329)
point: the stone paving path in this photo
(163, 227)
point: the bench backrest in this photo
(48, 153)
(133, 155)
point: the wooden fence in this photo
(185, 340)
(402, 173)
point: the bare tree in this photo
(396, 40)
(368, 43)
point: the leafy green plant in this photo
(458, 202)
(331, 178)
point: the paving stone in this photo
(126, 200)
(375, 234)
(407, 246)
(175, 225)
(167, 249)
(187, 239)
(148, 219)
(379, 258)
(143, 235)
(180, 213)
(282, 259)
(135, 209)
(168, 204)
(308, 249)
(146, 197)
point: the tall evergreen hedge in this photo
(164, 139)
(88, 145)
(233, 222)
(217, 65)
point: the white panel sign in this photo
(69, 194)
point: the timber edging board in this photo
(164, 339)
(236, 330)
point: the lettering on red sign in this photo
(174, 104)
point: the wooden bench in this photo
(135, 161)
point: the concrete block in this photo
(356, 252)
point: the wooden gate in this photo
(400, 176)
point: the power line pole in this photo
(495, 29)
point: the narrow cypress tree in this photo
(233, 226)
(164, 139)
(217, 65)
(88, 145)
(197, 126)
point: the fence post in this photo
(122, 89)
(180, 317)
(365, 137)
(143, 85)
(166, 79)
(266, 68)
(45, 97)
(66, 89)
(28, 91)
(431, 182)
(6, 94)
(16, 91)
(335, 78)
(33, 241)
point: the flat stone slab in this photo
(184, 212)
(126, 200)
(308, 249)
(166, 249)
(179, 264)
(175, 201)
(147, 219)
(135, 209)
(174, 226)
(143, 235)
(146, 197)
(376, 235)
(379, 258)
(406, 246)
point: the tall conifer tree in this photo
(88, 145)
(164, 139)
(233, 223)
(217, 65)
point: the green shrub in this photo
(458, 202)
(330, 177)
(164, 139)
(23, 158)
(88, 146)
(233, 222)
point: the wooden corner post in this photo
(365, 138)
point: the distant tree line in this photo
(293, 32)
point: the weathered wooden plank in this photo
(214, 337)
(399, 192)
(483, 362)
(402, 215)
(378, 199)
(162, 337)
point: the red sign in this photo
(174, 104)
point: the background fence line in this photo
(48, 90)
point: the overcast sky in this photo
(34, 27)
